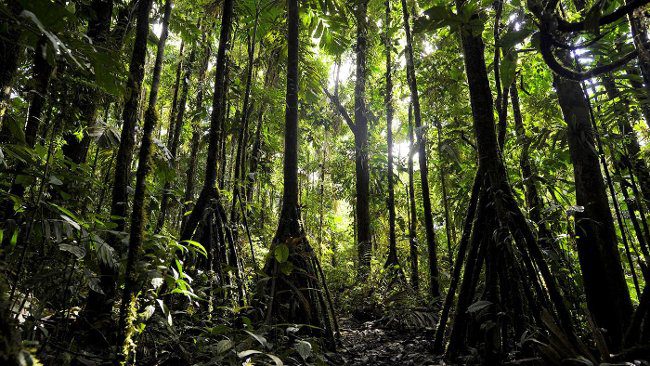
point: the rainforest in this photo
(324, 182)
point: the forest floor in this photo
(374, 343)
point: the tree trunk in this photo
(76, 150)
(42, 73)
(449, 225)
(209, 190)
(364, 244)
(176, 138)
(608, 299)
(413, 237)
(100, 305)
(500, 223)
(240, 166)
(434, 285)
(388, 101)
(136, 236)
(295, 295)
(196, 129)
(177, 85)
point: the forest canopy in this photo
(358, 182)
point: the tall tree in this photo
(136, 234)
(498, 223)
(413, 237)
(175, 137)
(364, 243)
(294, 291)
(420, 133)
(604, 282)
(100, 304)
(209, 190)
(359, 128)
(388, 101)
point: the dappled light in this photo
(334, 182)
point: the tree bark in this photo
(76, 150)
(240, 166)
(196, 129)
(607, 295)
(136, 236)
(413, 237)
(364, 243)
(295, 295)
(388, 101)
(216, 124)
(100, 305)
(434, 285)
(176, 138)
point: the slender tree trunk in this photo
(136, 236)
(257, 144)
(449, 225)
(413, 237)
(502, 90)
(321, 197)
(196, 129)
(75, 149)
(42, 71)
(176, 138)
(533, 199)
(100, 305)
(388, 101)
(607, 295)
(535, 203)
(216, 124)
(177, 86)
(364, 243)
(223, 133)
(434, 285)
(305, 281)
(240, 166)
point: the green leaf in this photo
(224, 345)
(258, 337)
(281, 253)
(55, 181)
(196, 246)
(508, 69)
(15, 129)
(438, 16)
(478, 306)
(286, 268)
(304, 349)
(165, 311)
(514, 37)
(77, 251)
